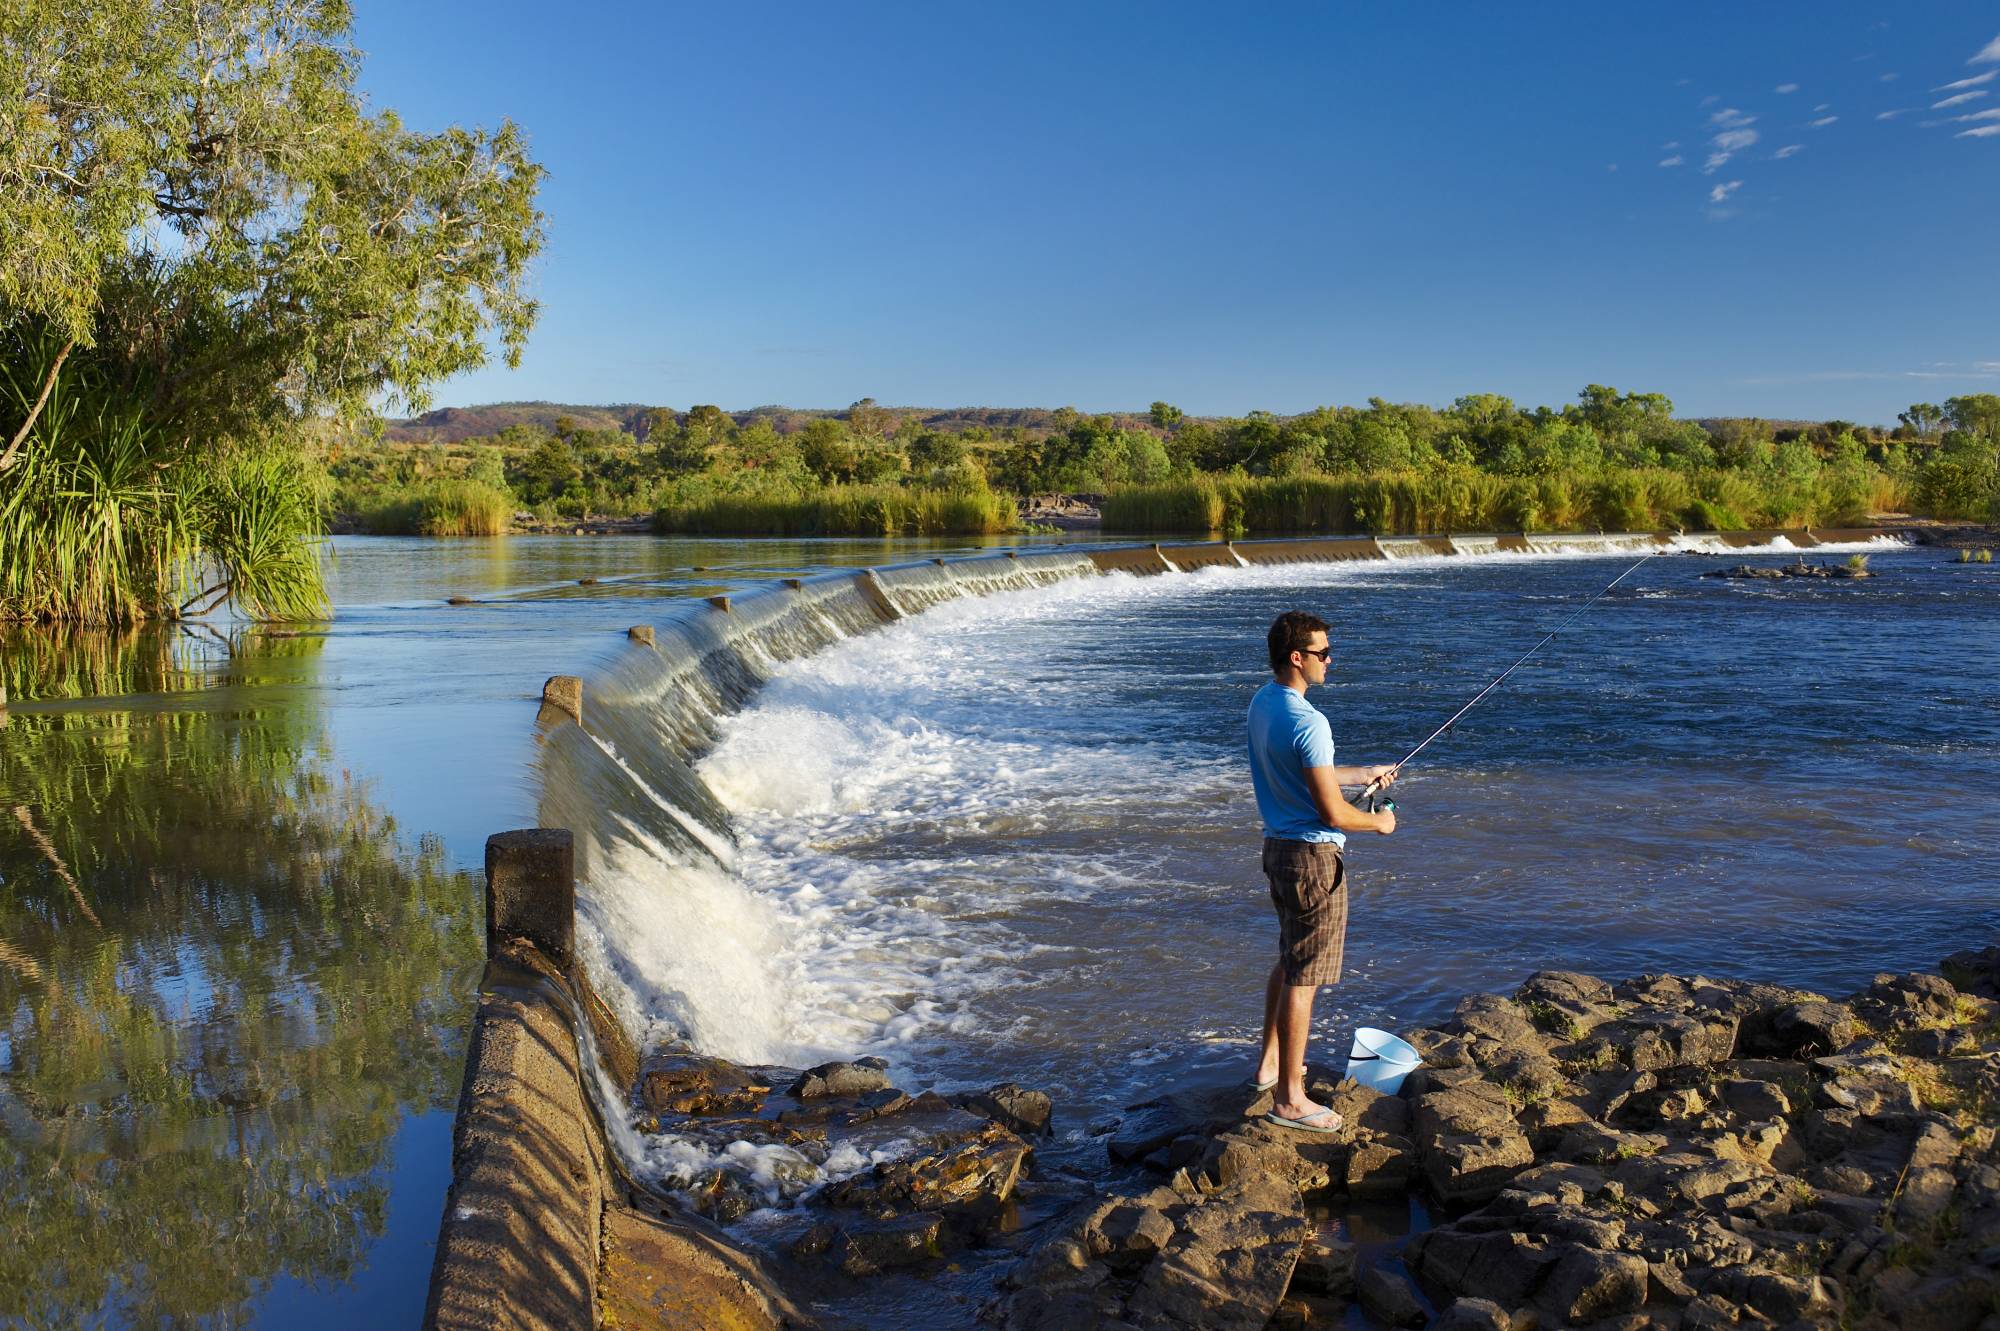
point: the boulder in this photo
(1799, 1029)
(971, 1179)
(694, 1085)
(1229, 1262)
(1661, 1037)
(1505, 1265)
(1309, 1162)
(1587, 1285)
(1155, 1123)
(1468, 1142)
(1491, 1017)
(856, 1078)
(1388, 1297)
(1755, 1100)
(1974, 972)
(1029, 1113)
(1125, 1233)
(1325, 1269)
(1473, 1315)
(1381, 1167)
(1926, 997)
(865, 1247)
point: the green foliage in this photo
(207, 238)
(104, 520)
(844, 510)
(443, 507)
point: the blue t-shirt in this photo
(1288, 735)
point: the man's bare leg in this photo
(1295, 1010)
(1267, 1060)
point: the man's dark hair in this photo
(1291, 632)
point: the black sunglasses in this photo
(1325, 654)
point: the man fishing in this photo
(1306, 822)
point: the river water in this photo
(1007, 839)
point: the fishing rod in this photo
(1371, 794)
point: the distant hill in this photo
(449, 425)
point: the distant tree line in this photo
(1938, 459)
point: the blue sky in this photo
(1103, 204)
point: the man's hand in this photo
(1382, 775)
(1385, 822)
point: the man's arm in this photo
(1361, 776)
(1335, 811)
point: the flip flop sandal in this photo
(1306, 1122)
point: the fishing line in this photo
(1370, 794)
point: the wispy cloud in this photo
(1983, 132)
(1787, 151)
(1670, 145)
(1989, 54)
(1730, 118)
(1972, 82)
(1888, 78)
(1891, 115)
(1973, 370)
(1675, 160)
(1959, 100)
(1786, 87)
(1823, 106)
(1726, 145)
(1824, 121)
(1724, 190)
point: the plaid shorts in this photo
(1309, 888)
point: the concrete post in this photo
(531, 890)
(565, 694)
(641, 633)
(720, 603)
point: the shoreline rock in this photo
(1670, 1151)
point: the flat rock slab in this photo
(661, 1277)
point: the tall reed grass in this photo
(1462, 499)
(844, 510)
(450, 507)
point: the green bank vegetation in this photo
(1610, 460)
(209, 244)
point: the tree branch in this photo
(34, 412)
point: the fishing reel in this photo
(1374, 801)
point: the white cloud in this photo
(1734, 140)
(1991, 113)
(1787, 151)
(1724, 190)
(1675, 160)
(1670, 145)
(1983, 132)
(1709, 100)
(1787, 87)
(1959, 100)
(1891, 115)
(1729, 118)
(1988, 54)
(1972, 82)
(1889, 78)
(1822, 122)
(1824, 106)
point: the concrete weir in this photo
(539, 1233)
(542, 1227)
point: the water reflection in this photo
(225, 979)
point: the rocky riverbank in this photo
(1669, 1151)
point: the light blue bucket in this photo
(1380, 1060)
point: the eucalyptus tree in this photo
(208, 241)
